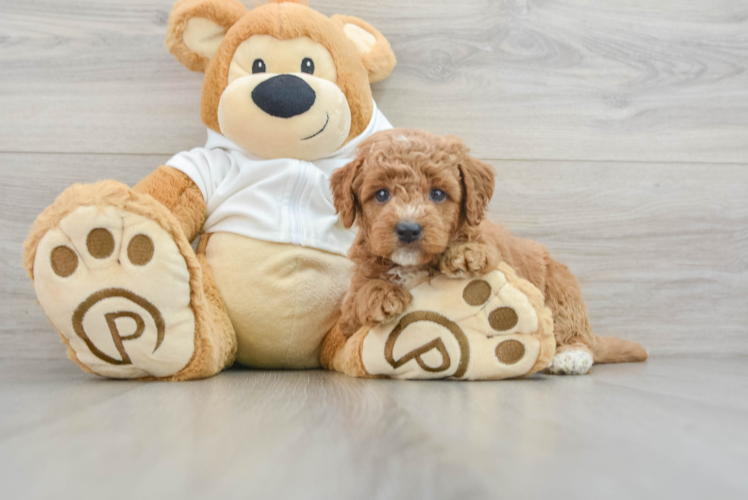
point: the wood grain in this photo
(661, 250)
(668, 428)
(519, 79)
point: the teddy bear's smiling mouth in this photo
(327, 120)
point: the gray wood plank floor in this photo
(669, 428)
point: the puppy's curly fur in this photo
(432, 182)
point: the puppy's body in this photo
(419, 201)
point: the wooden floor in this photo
(670, 428)
(619, 130)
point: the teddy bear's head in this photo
(281, 80)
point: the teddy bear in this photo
(286, 98)
(235, 252)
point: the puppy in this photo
(419, 201)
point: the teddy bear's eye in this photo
(438, 196)
(258, 66)
(382, 196)
(307, 66)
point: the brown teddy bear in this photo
(286, 99)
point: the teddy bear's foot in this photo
(117, 286)
(492, 327)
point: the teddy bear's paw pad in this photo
(465, 329)
(570, 362)
(117, 288)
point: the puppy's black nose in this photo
(408, 232)
(284, 96)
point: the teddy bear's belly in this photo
(282, 299)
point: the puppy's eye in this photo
(307, 66)
(438, 196)
(382, 196)
(258, 66)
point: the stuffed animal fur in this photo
(286, 99)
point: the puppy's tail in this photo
(615, 350)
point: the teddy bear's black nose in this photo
(408, 232)
(284, 96)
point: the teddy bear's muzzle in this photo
(284, 96)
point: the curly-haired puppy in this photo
(419, 201)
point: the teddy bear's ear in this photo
(373, 48)
(196, 28)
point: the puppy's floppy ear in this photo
(196, 28)
(478, 184)
(344, 198)
(372, 47)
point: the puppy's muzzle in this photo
(408, 232)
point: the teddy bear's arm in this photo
(177, 192)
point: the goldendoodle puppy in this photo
(419, 201)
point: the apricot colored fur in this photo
(456, 240)
(343, 354)
(222, 12)
(284, 21)
(177, 192)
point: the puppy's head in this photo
(411, 192)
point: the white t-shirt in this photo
(282, 200)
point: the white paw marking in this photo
(120, 297)
(572, 362)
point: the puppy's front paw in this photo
(469, 259)
(382, 301)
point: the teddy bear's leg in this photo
(491, 327)
(342, 354)
(282, 299)
(117, 277)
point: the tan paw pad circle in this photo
(64, 261)
(477, 292)
(510, 352)
(140, 250)
(503, 318)
(100, 243)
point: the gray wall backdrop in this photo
(619, 130)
